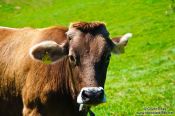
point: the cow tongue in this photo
(81, 107)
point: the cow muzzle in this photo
(91, 96)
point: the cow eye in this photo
(69, 37)
(72, 59)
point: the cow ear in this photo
(119, 43)
(48, 51)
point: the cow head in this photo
(88, 48)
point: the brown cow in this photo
(55, 71)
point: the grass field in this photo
(143, 77)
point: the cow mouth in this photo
(86, 108)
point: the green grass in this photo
(142, 77)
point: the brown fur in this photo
(84, 26)
(16, 63)
(92, 28)
(50, 89)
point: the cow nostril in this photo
(85, 94)
(92, 94)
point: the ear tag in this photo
(46, 59)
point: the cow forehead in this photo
(92, 39)
(92, 47)
(98, 45)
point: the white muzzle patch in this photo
(88, 89)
